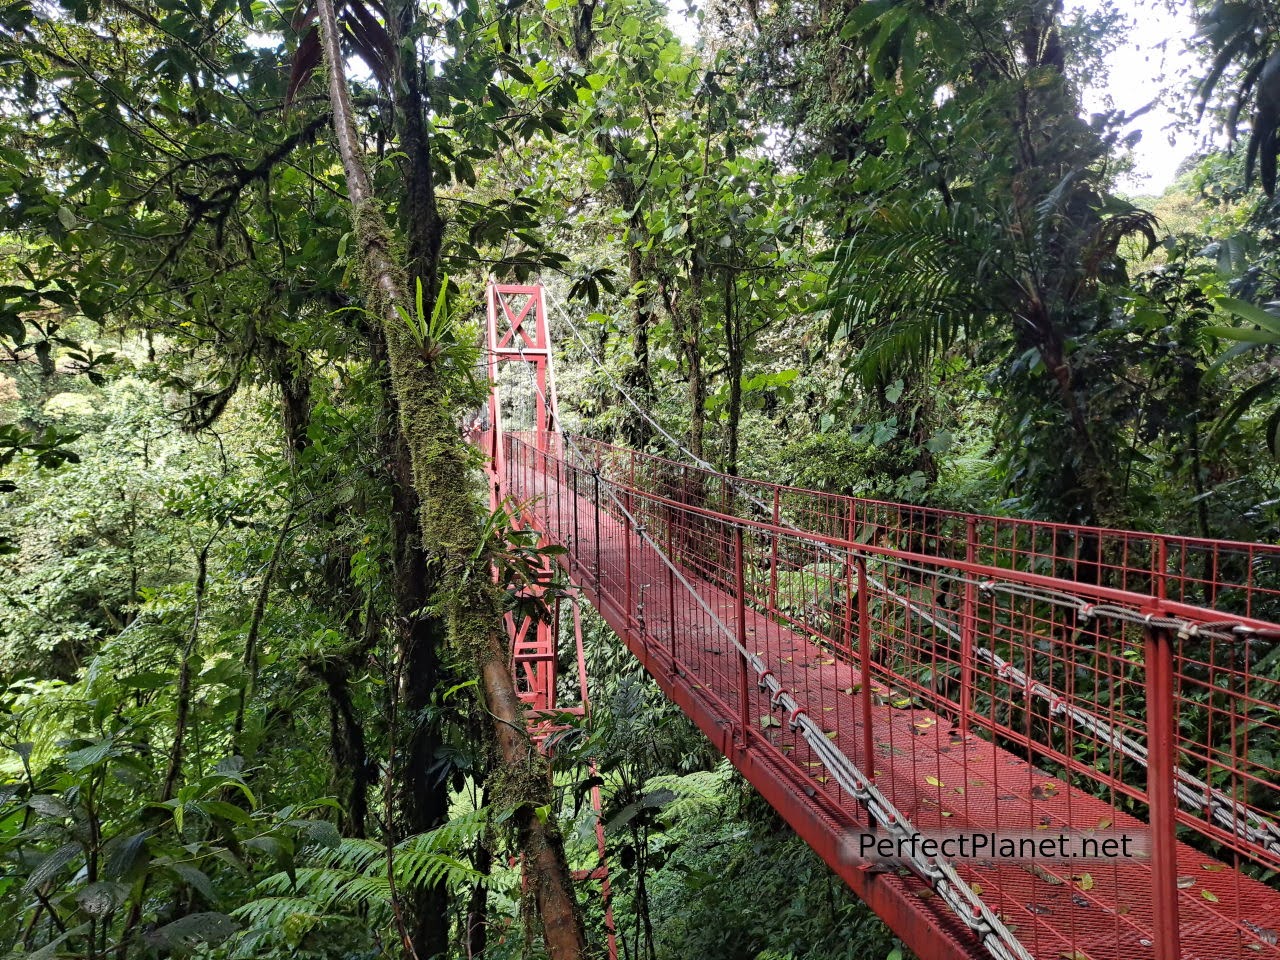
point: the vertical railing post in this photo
(740, 626)
(595, 500)
(559, 497)
(848, 586)
(864, 656)
(773, 553)
(626, 544)
(577, 535)
(671, 581)
(968, 627)
(1161, 762)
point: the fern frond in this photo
(277, 911)
(350, 878)
(690, 792)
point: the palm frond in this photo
(910, 280)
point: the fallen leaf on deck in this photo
(1209, 895)
(934, 782)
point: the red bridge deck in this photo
(977, 685)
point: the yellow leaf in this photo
(1104, 823)
(1084, 881)
(976, 888)
(934, 782)
(1074, 955)
(1208, 895)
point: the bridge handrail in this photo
(1144, 603)
(1186, 539)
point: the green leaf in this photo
(196, 879)
(1250, 313)
(49, 806)
(189, 932)
(1243, 334)
(123, 855)
(48, 868)
(89, 756)
(102, 898)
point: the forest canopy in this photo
(257, 692)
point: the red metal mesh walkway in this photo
(958, 659)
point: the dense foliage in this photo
(247, 621)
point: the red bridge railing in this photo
(1117, 675)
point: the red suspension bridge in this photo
(910, 674)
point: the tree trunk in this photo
(422, 800)
(351, 770)
(736, 357)
(452, 526)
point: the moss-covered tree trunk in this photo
(452, 527)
